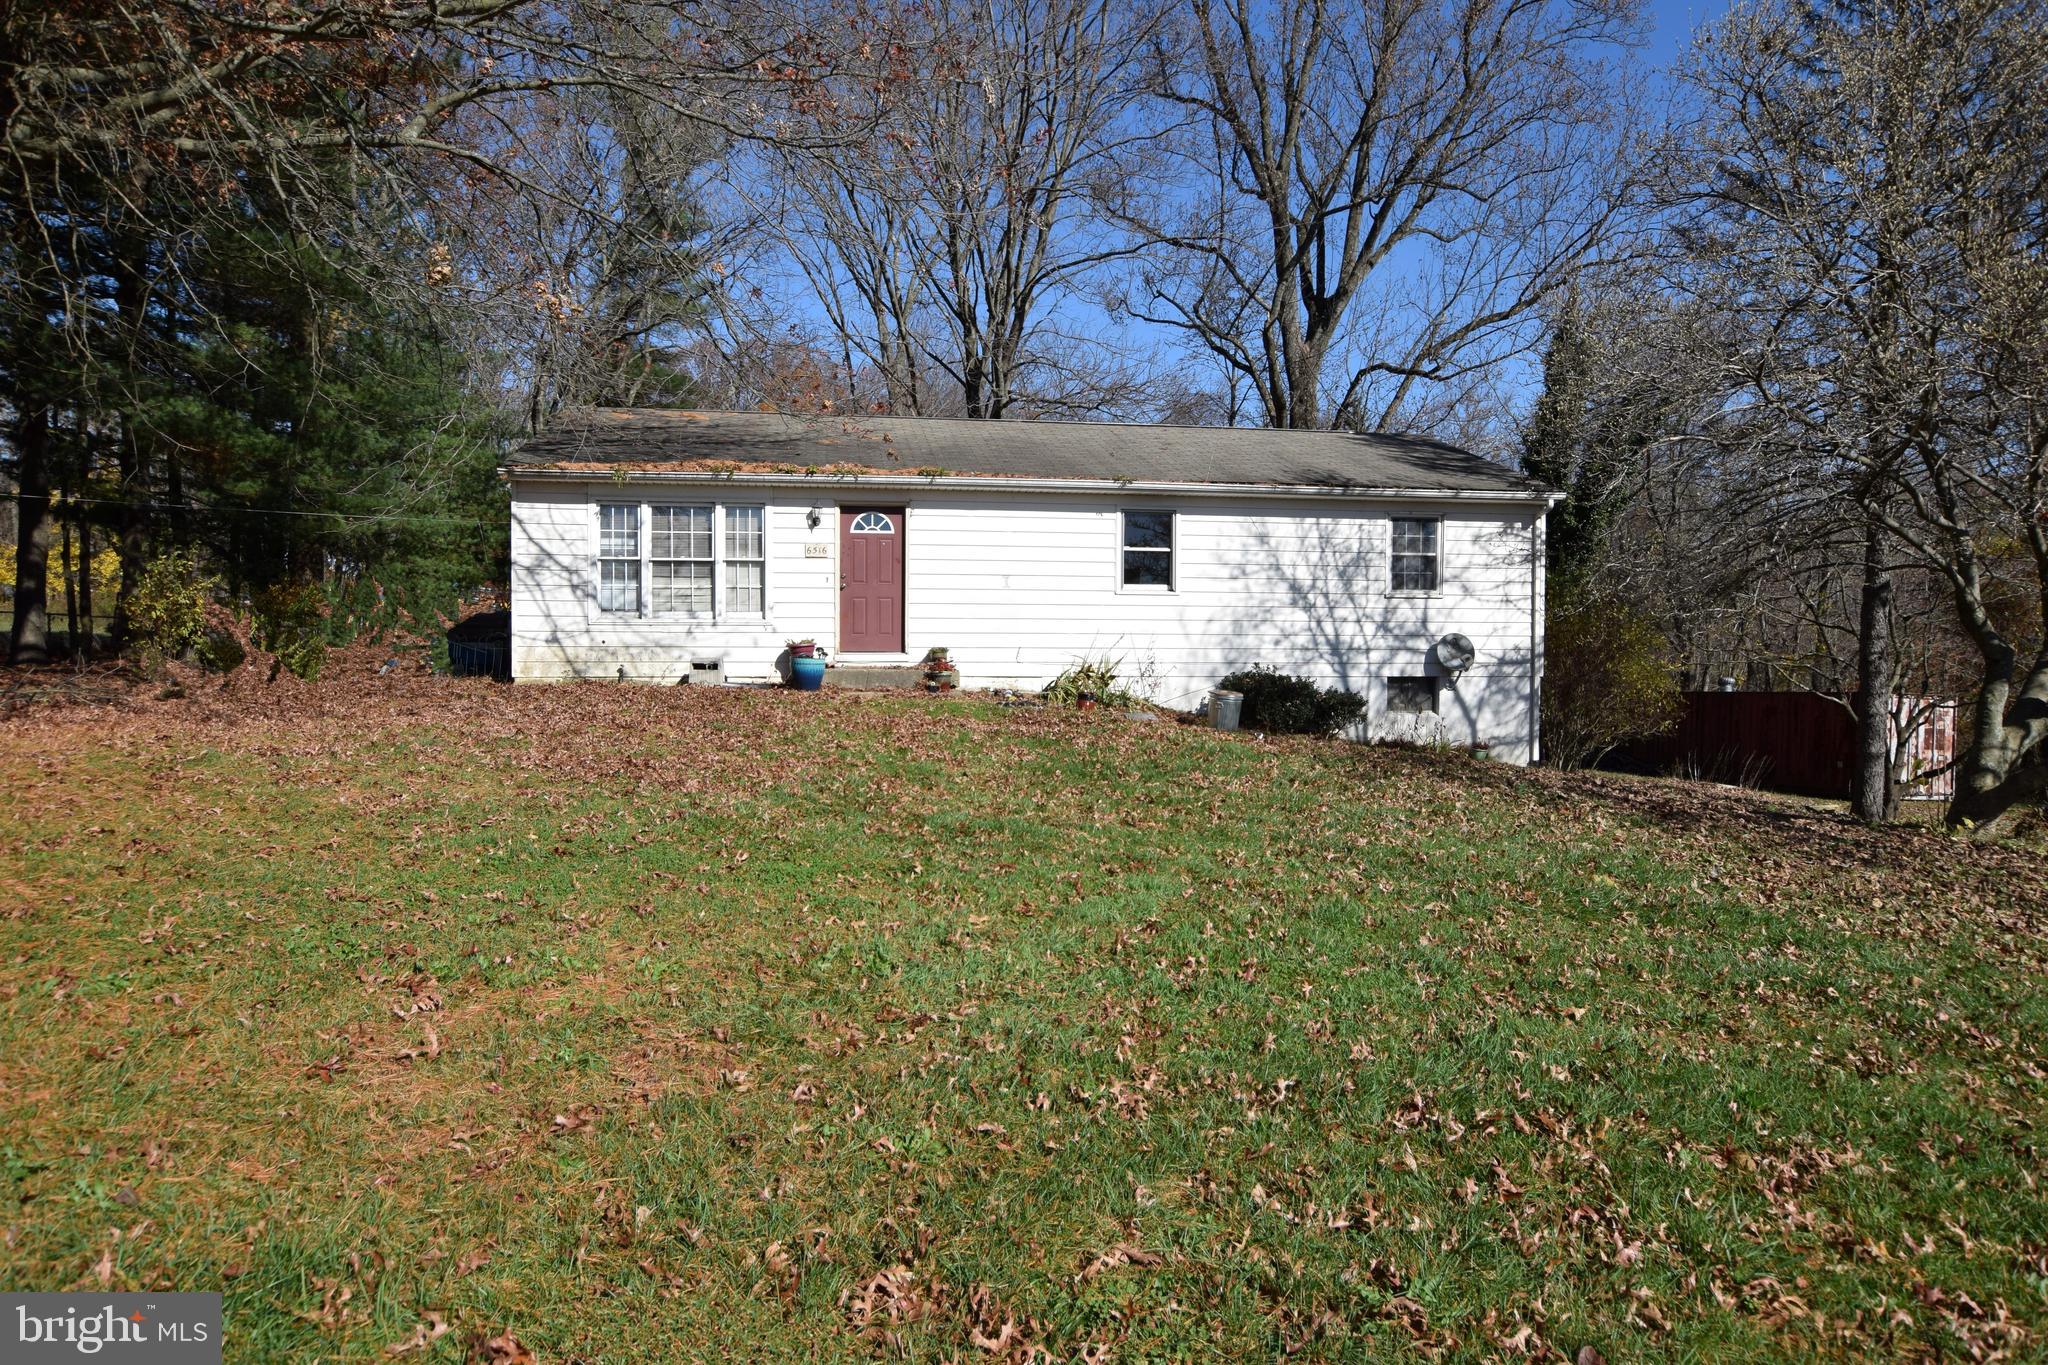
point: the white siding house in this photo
(644, 541)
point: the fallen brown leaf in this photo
(423, 1334)
(1123, 1253)
(502, 1350)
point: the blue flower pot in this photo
(807, 674)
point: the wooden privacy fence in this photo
(1800, 742)
(1929, 774)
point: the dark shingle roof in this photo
(610, 438)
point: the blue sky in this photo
(1672, 23)
(1668, 30)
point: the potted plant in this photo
(939, 673)
(807, 671)
(801, 649)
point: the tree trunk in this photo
(28, 640)
(1993, 780)
(971, 387)
(1303, 359)
(70, 593)
(129, 537)
(1302, 411)
(1872, 796)
(85, 587)
(2007, 758)
(131, 457)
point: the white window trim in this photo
(1172, 584)
(647, 566)
(718, 615)
(1436, 591)
(721, 563)
(598, 558)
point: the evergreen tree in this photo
(327, 433)
(1607, 676)
(1583, 442)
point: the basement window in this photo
(1411, 696)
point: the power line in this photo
(260, 511)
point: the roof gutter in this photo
(990, 483)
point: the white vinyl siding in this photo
(1019, 585)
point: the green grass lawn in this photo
(631, 1024)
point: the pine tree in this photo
(330, 435)
(1583, 444)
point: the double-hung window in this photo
(1148, 550)
(667, 559)
(1415, 560)
(746, 561)
(618, 557)
(679, 568)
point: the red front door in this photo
(871, 580)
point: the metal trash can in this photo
(1224, 709)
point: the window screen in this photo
(746, 560)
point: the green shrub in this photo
(167, 609)
(219, 651)
(1098, 676)
(291, 622)
(1606, 678)
(1283, 704)
(397, 600)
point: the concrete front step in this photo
(874, 675)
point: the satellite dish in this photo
(1454, 654)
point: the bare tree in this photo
(1377, 195)
(593, 270)
(855, 235)
(206, 83)
(1875, 243)
(961, 240)
(1685, 504)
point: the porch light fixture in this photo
(814, 516)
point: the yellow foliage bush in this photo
(1606, 677)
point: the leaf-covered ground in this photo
(441, 1021)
